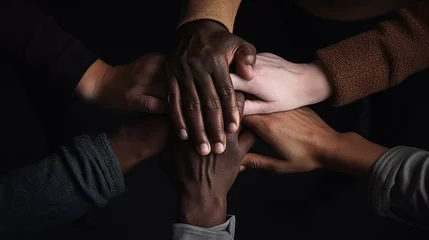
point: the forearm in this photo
(29, 36)
(60, 188)
(380, 58)
(352, 154)
(398, 176)
(222, 11)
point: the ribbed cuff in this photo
(383, 176)
(225, 231)
(100, 142)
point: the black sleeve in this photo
(27, 35)
(61, 188)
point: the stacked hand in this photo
(279, 85)
(200, 93)
(305, 142)
(137, 86)
(204, 181)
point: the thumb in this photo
(148, 104)
(240, 84)
(252, 107)
(257, 161)
(245, 58)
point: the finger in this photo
(192, 112)
(245, 59)
(174, 106)
(211, 108)
(257, 161)
(148, 104)
(253, 107)
(239, 83)
(240, 99)
(246, 140)
(226, 94)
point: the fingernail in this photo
(218, 148)
(242, 168)
(204, 149)
(232, 127)
(183, 134)
(249, 67)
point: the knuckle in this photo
(249, 58)
(253, 162)
(149, 105)
(193, 106)
(172, 98)
(212, 104)
(226, 91)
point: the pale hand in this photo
(279, 85)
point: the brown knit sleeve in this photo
(378, 59)
(223, 11)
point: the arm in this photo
(380, 58)
(75, 179)
(203, 183)
(29, 36)
(398, 176)
(60, 188)
(222, 11)
(201, 96)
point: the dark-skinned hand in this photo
(204, 181)
(201, 96)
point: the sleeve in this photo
(29, 36)
(400, 185)
(222, 11)
(380, 58)
(225, 231)
(61, 188)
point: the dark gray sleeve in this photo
(400, 185)
(61, 188)
(225, 231)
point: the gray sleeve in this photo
(60, 188)
(225, 231)
(400, 185)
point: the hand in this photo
(305, 142)
(298, 136)
(138, 86)
(280, 85)
(146, 137)
(198, 80)
(204, 181)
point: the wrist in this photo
(89, 85)
(352, 154)
(202, 211)
(204, 25)
(126, 152)
(321, 88)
